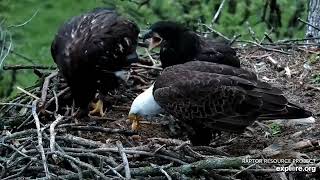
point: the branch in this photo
(188, 169)
(215, 17)
(124, 159)
(309, 24)
(83, 164)
(37, 121)
(18, 67)
(45, 87)
(53, 133)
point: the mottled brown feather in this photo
(217, 97)
(89, 47)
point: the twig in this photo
(142, 81)
(115, 172)
(27, 93)
(265, 48)
(26, 22)
(216, 32)
(15, 149)
(55, 100)
(79, 140)
(234, 39)
(20, 67)
(37, 121)
(83, 164)
(99, 129)
(252, 33)
(244, 170)
(57, 96)
(19, 134)
(53, 133)
(124, 159)
(161, 170)
(150, 57)
(147, 67)
(127, 151)
(309, 24)
(45, 87)
(188, 169)
(266, 35)
(17, 104)
(215, 17)
(20, 172)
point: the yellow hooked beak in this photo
(155, 41)
(135, 121)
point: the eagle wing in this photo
(89, 48)
(94, 37)
(215, 95)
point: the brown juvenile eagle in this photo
(207, 97)
(91, 51)
(178, 45)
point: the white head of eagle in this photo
(144, 106)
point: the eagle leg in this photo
(97, 108)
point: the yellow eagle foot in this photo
(97, 108)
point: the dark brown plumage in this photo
(207, 97)
(179, 45)
(90, 48)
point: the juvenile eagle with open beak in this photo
(179, 45)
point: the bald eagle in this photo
(207, 97)
(91, 50)
(178, 45)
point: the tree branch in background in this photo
(32, 67)
(215, 17)
(309, 24)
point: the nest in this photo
(41, 139)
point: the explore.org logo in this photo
(286, 165)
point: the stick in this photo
(188, 169)
(45, 87)
(53, 133)
(27, 93)
(32, 67)
(25, 22)
(14, 176)
(215, 31)
(19, 134)
(215, 17)
(57, 96)
(124, 159)
(128, 151)
(161, 170)
(17, 104)
(37, 121)
(150, 57)
(147, 67)
(100, 129)
(83, 164)
(115, 172)
(265, 48)
(309, 24)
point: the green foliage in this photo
(34, 39)
(314, 58)
(316, 78)
(275, 129)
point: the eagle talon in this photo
(135, 122)
(97, 108)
